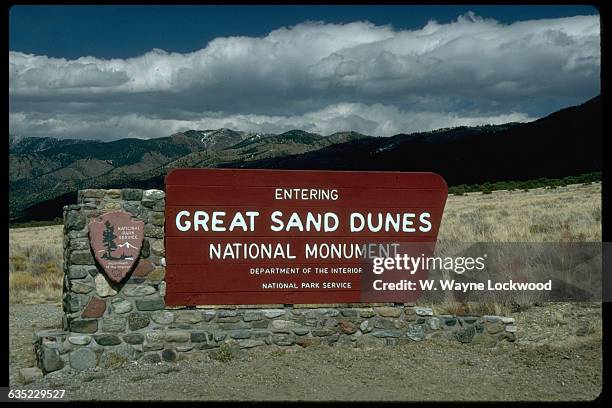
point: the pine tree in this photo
(108, 238)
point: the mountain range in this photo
(45, 173)
(567, 142)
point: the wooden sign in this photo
(269, 237)
(116, 240)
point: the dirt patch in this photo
(549, 361)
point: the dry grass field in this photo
(35, 264)
(563, 214)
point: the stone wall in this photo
(105, 323)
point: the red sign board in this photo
(291, 236)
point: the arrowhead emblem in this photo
(116, 240)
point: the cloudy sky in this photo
(113, 72)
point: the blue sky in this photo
(127, 31)
(108, 72)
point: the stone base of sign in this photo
(105, 323)
(174, 334)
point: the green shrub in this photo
(30, 224)
(224, 353)
(525, 185)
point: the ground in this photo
(547, 362)
(557, 355)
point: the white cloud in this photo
(316, 76)
(377, 120)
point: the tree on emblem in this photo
(108, 238)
